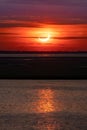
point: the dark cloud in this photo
(18, 24)
(57, 2)
(43, 10)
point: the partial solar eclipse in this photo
(44, 38)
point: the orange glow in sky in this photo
(44, 38)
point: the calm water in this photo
(43, 104)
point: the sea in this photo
(43, 104)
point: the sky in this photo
(24, 22)
(58, 10)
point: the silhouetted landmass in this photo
(42, 52)
(43, 67)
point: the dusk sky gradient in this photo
(21, 20)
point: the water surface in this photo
(43, 104)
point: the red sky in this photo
(24, 22)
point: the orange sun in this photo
(44, 37)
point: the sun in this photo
(45, 37)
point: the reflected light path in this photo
(46, 102)
(48, 123)
(46, 105)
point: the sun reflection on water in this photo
(48, 123)
(45, 103)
